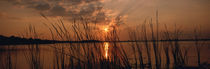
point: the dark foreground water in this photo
(90, 55)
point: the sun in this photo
(106, 29)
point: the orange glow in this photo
(106, 29)
(106, 45)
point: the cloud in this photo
(58, 11)
(42, 6)
(90, 10)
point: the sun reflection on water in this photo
(106, 49)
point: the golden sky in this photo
(16, 15)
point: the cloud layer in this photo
(90, 10)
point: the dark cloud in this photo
(58, 11)
(89, 10)
(42, 6)
(101, 17)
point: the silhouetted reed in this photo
(148, 51)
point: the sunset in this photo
(104, 34)
(106, 29)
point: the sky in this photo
(16, 15)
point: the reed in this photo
(146, 54)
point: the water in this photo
(49, 56)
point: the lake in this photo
(96, 55)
